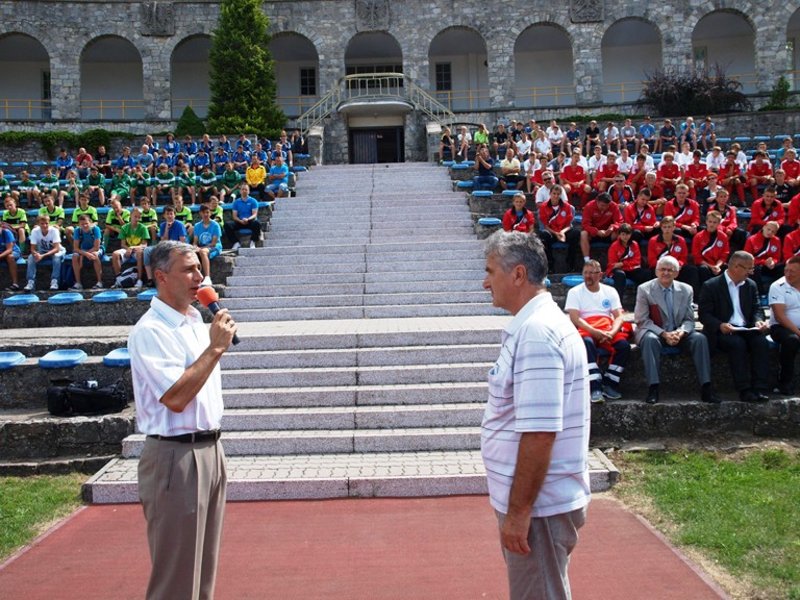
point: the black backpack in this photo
(86, 398)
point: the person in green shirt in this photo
(95, 183)
(206, 184)
(117, 217)
(16, 218)
(120, 185)
(184, 215)
(71, 189)
(164, 184)
(230, 183)
(27, 189)
(134, 237)
(140, 184)
(482, 135)
(83, 208)
(185, 182)
(48, 186)
(216, 210)
(5, 186)
(149, 217)
(54, 213)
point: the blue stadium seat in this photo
(572, 280)
(20, 164)
(510, 193)
(761, 138)
(465, 185)
(21, 300)
(3, 164)
(103, 210)
(65, 298)
(781, 136)
(147, 295)
(743, 213)
(723, 140)
(109, 296)
(577, 219)
(10, 359)
(40, 163)
(299, 169)
(482, 194)
(490, 222)
(460, 167)
(448, 163)
(62, 359)
(742, 138)
(547, 282)
(118, 357)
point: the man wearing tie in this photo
(733, 322)
(665, 318)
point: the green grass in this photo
(742, 511)
(29, 504)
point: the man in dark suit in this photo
(734, 323)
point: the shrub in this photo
(675, 92)
(189, 124)
(779, 97)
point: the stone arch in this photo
(793, 49)
(726, 37)
(296, 71)
(630, 48)
(458, 68)
(189, 75)
(369, 50)
(111, 80)
(25, 84)
(544, 72)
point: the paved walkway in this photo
(430, 548)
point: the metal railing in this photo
(32, 109)
(125, 108)
(546, 95)
(463, 99)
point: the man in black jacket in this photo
(734, 322)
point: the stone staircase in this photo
(366, 339)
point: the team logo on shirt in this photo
(563, 213)
(719, 243)
(606, 303)
(690, 211)
(773, 248)
(677, 248)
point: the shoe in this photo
(138, 284)
(97, 286)
(54, 284)
(652, 394)
(14, 287)
(115, 286)
(30, 285)
(707, 394)
(207, 281)
(252, 244)
(77, 287)
(236, 246)
(611, 393)
(761, 397)
(597, 396)
(752, 396)
(784, 390)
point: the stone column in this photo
(416, 66)
(65, 85)
(588, 60)
(771, 59)
(316, 144)
(331, 63)
(156, 80)
(500, 56)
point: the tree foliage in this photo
(675, 92)
(243, 88)
(779, 96)
(189, 124)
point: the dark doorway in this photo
(382, 145)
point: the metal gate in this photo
(364, 146)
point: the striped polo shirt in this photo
(539, 383)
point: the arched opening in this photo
(726, 39)
(543, 67)
(296, 72)
(373, 52)
(630, 48)
(25, 84)
(793, 50)
(111, 80)
(190, 76)
(459, 72)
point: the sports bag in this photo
(86, 398)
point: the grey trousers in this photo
(694, 343)
(182, 489)
(542, 573)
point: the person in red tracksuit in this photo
(573, 178)
(767, 208)
(791, 167)
(601, 219)
(685, 210)
(604, 176)
(638, 171)
(730, 177)
(669, 173)
(791, 245)
(667, 243)
(765, 246)
(625, 260)
(730, 222)
(519, 218)
(641, 217)
(555, 218)
(710, 249)
(695, 175)
(621, 192)
(759, 172)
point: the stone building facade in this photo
(493, 57)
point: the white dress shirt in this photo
(737, 318)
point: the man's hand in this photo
(726, 329)
(762, 325)
(36, 256)
(222, 329)
(514, 533)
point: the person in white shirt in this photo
(543, 193)
(715, 159)
(178, 391)
(784, 322)
(685, 157)
(596, 161)
(535, 429)
(625, 162)
(464, 141)
(542, 145)
(611, 137)
(45, 242)
(555, 136)
(524, 146)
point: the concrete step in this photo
(367, 312)
(368, 278)
(317, 476)
(334, 289)
(278, 267)
(409, 258)
(443, 234)
(323, 247)
(455, 221)
(316, 296)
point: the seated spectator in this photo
(636, 176)
(298, 142)
(606, 173)
(710, 248)
(447, 147)
(464, 141)
(83, 208)
(220, 160)
(707, 134)
(184, 215)
(542, 194)
(102, 160)
(126, 161)
(625, 261)
(641, 217)
(152, 145)
(185, 182)
(759, 173)
(222, 142)
(767, 208)
(200, 160)
(140, 184)
(206, 145)
(171, 146)
(555, 218)
(557, 164)
(784, 321)
(189, 146)
(145, 160)
(49, 186)
(9, 253)
(657, 196)
(601, 219)
(620, 191)
(667, 243)
(206, 184)
(715, 159)
(207, 239)
(45, 243)
(247, 145)
(511, 177)
(688, 133)
(647, 134)
(229, 183)
(541, 145)
(481, 136)
(695, 175)
(627, 139)
(83, 162)
(611, 138)
(730, 177)
(576, 181)
(164, 185)
(625, 163)
(684, 158)
(524, 147)
(278, 178)
(669, 174)
(148, 217)
(519, 218)
(95, 184)
(782, 189)
(729, 224)
(741, 157)
(765, 246)
(55, 214)
(16, 219)
(216, 210)
(572, 140)
(87, 249)
(240, 159)
(5, 187)
(666, 136)
(592, 137)
(596, 160)
(115, 219)
(500, 145)
(733, 322)
(685, 211)
(484, 165)
(595, 310)
(70, 190)
(245, 216)
(555, 136)
(27, 190)
(120, 186)
(64, 163)
(134, 237)
(665, 318)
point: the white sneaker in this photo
(207, 281)
(252, 244)
(597, 397)
(77, 287)
(30, 285)
(97, 286)
(236, 246)
(54, 284)
(139, 284)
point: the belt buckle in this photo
(194, 436)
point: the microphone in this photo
(208, 297)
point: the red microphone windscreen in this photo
(206, 295)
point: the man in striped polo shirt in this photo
(535, 431)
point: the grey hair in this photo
(514, 248)
(669, 260)
(740, 256)
(164, 254)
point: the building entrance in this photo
(377, 145)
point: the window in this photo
(308, 82)
(444, 77)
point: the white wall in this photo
(111, 81)
(627, 64)
(735, 54)
(287, 76)
(21, 81)
(190, 82)
(543, 70)
(469, 73)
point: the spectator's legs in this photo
(789, 345)
(595, 378)
(547, 241)
(650, 346)
(117, 258)
(620, 278)
(616, 364)
(205, 265)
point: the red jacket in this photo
(794, 211)
(759, 214)
(656, 248)
(757, 245)
(594, 220)
(639, 220)
(689, 214)
(526, 223)
(606, 171)
(621, 197)
(698, 173)
(730, 222)
(556, 217)
(704, 251)
(630, 257)
(792, 168)
(573, 174)
(666, 171)
(791, 245)
(759, 170)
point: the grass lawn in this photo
(741, 511)
(28, 505)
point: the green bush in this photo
(190, 124)
(51, 141)
(779, 97)
(677, 92)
